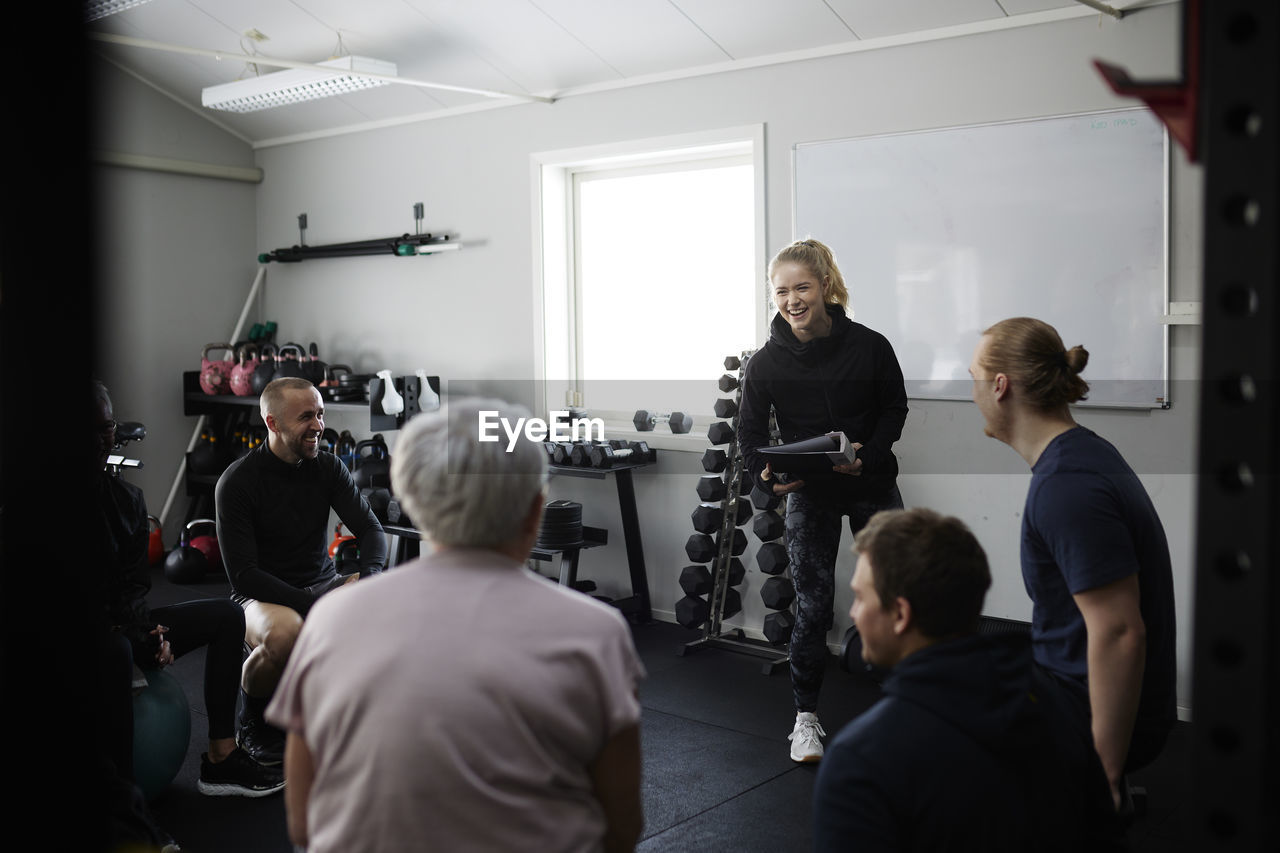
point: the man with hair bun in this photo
(1094, 555)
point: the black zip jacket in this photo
(273, 525)
(972, 749)
(848, 381)
(121, 535)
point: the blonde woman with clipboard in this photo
(821, 373)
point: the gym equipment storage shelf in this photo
(636, 606)
(196, 402)
(592, 537)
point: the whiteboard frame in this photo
(1164, 401)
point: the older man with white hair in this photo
(460, 701)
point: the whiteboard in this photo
(941, 233)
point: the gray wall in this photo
(176, 260)
(465, 315)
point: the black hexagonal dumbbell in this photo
(701, 548)
(727, 383)
(712, 489)
(725, 408)
(678, 422)
(580, 454)
(778, 625)
(738, 542)
(741, 512)
(772, 558)
(714, 460)
(732, 603)
(720, 432)
(561, 452)
(737, 571)
(617, 453)
(732, 362)
(707, 518)
(695, 580)
(692, 611)
(777, 593)
(762, 497)
(768, 526)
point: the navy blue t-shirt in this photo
(1089, 522)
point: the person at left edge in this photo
(272, 511)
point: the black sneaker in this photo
(238, 775)
(262, 741)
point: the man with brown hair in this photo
(967, 750)
(273, 508)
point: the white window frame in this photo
(556, 340)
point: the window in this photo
(652, 273)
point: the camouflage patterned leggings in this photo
(813, 539)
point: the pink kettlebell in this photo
(242, 373)
(215, 376)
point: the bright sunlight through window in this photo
(665, 281)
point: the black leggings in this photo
(219, 624)
(813, 539)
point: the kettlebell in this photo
(288, 364)
(185, 564)
(329, 440)
(379, 499)
(331, 375)
(155, 541)
(338, 539)
(204, 459)
(242, 373)
(313, 368)
(371, 465)
(347, 448)
(347, 558)
(215, 376)
(206, 543)
(266, 369)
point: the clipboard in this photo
(810, 456)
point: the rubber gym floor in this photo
(717, 775)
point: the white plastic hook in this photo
(392, 402)
(428, 399)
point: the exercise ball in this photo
(161, 732)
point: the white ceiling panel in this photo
(876, 18)
(291, 32)
(517, 38)
(1023, 7)
(635, 37)
(517, 46)
(751, 28)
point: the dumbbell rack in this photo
(713, 635)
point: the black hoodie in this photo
(848, 381)
(971, 749)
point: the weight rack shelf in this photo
(196, 402)
(636, 606)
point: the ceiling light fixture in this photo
(95, 9)
(298, 84)
(330, 71)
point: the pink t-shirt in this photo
(455, 703)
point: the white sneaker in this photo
(806, 743)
